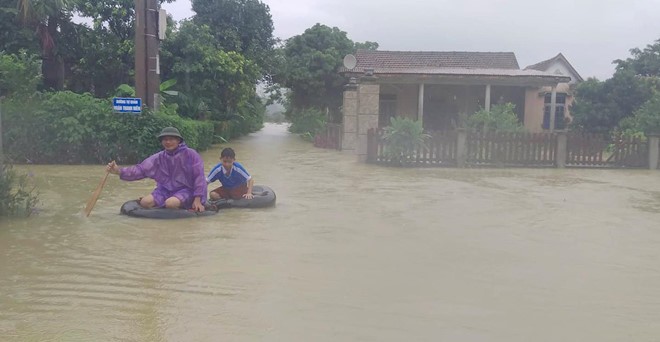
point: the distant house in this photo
(438, 88)
(557, 65)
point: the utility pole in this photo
(147, 68)
(2, 153)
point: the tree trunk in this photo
(52, 67)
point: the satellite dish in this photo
(350, 62)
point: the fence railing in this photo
(599, 150)
(439, 150)
(466, 148)
(329, 137)
(511, 149)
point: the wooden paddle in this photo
(95, 195)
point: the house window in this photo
(387, 109)
(560, 112)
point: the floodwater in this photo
(351, 252)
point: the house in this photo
(557, 65)
(441, 88)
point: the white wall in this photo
(563, 70)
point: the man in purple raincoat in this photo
(178, 171)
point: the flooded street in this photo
(351, 252)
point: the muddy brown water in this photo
(351, 252)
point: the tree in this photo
(244, 26)
(102, 61)
(15, 37)
(225, 81)
(643, 62)
(310, 70)
(46, 17)
(599, 106)
(366, 46)
(106, 56)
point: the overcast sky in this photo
(590, 33)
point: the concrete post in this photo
(153, 47)
(562, 149)
(147, 74)
(140, 51)
(487, 102)
(654, 150)
(420, 104)
(368, 103)
(461, 147)
(2, 154)
(350, 118)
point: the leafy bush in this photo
(249, 119)
(645, 120)
(252, 116)
(65, 127)
(499, 118)
(402, 138)
(19, 74)
(17, 198)
(307, 122)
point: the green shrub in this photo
(402, 137)
(19, 74)
(70, 128)
(132, 138)
(645, 120)
(629, 127)
(249, 118)
(307, 122)
(499, 118)
(17, 198)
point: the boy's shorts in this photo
(233, 193)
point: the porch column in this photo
(420, 104)
(553, 108)
(350, 118)
(487, 101)
(368, 103)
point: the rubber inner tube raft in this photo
(133, 208)
(263, 197)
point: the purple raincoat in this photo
(179, 173)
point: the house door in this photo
(387, 109)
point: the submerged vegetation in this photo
(17, 196)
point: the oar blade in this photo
(95, 196)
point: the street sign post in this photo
(127, 105)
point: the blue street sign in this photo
(127, 105)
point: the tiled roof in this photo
(384, 60)
(453, 63)
(461, 71)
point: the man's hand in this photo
(197, 205)
(249, 195)
(112, 168)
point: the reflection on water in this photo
(351, 252)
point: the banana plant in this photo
(165, 89)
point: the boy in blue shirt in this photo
(236, 181)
